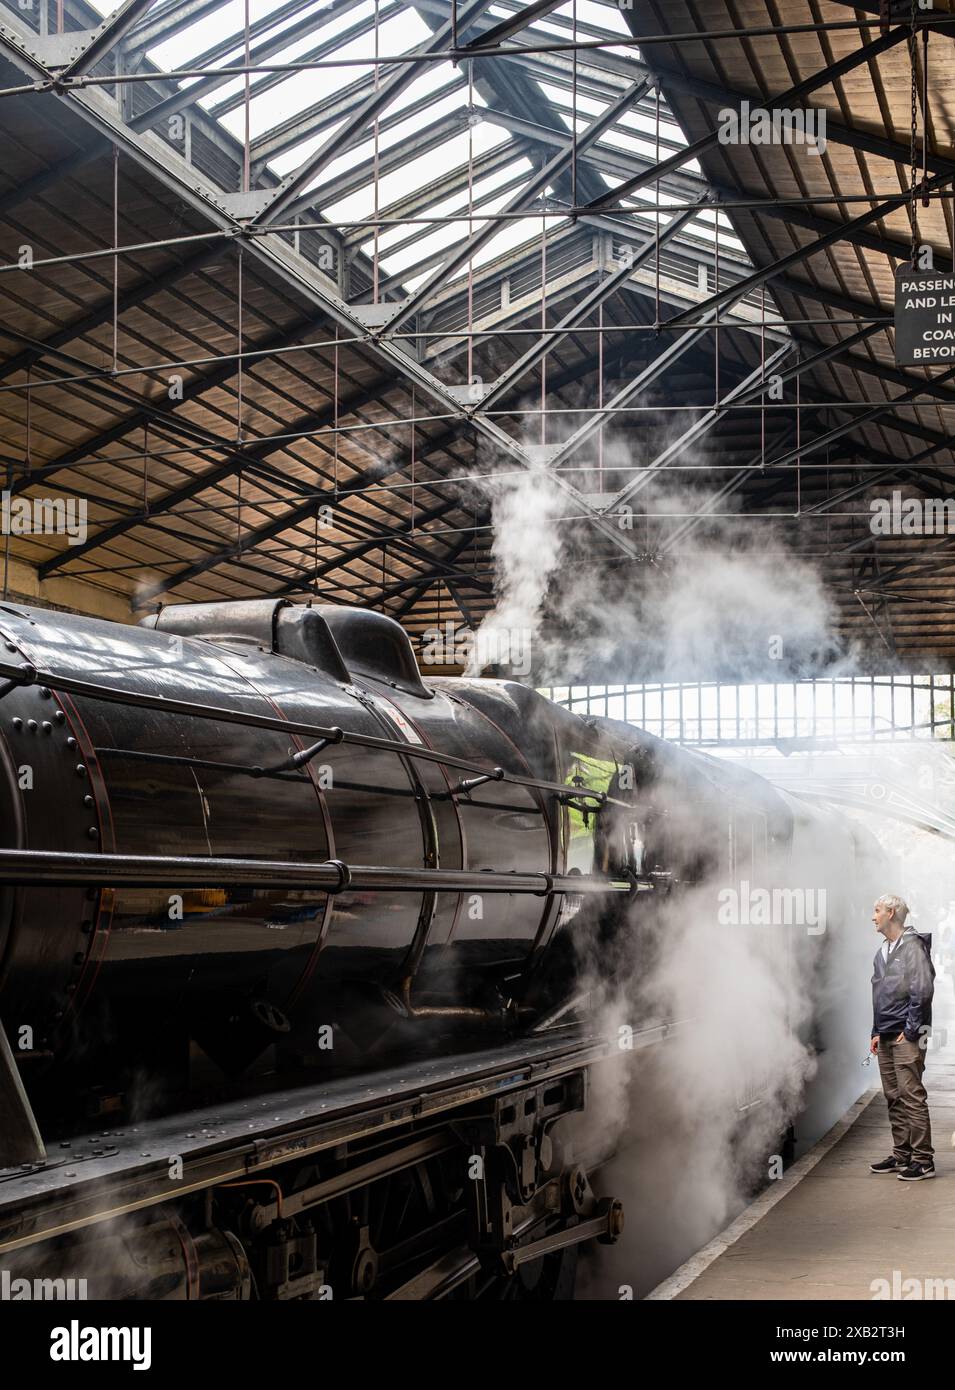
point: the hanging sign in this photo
(924, 317)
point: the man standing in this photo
(902, 989)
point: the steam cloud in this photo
(527, 549)
(720, 603)
(692, 1123)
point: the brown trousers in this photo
(901, 1065)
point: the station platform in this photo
(831, 1230)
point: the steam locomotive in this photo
(247, 841)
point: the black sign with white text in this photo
(924, 317)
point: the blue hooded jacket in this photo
(902, 988)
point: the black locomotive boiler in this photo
(246, 846)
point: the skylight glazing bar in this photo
(377, 102)
(534, 186)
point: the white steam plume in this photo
(721, 598)
(527, 551)
(724, 602)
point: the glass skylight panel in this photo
(643, 145)
(431, 81)
(288, 162)
(312, 81)
(300, 90)
(175, 52)
(415, 174)
(418, 122)
(286, 107)
(646, 123)
(432, 77)
(545, 26)
(446, 234)
(585, 105)
(514, 234)
(291, 97)
(458, 204)
(607, 16)
(271, 33)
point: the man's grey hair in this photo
(896, 905)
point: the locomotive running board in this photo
(115, 1173)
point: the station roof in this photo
(289, 319)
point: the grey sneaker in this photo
(888, 1165)
(915, 1172)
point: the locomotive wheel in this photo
(387, 1230)
(403, 1218)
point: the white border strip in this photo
(695, 1266)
